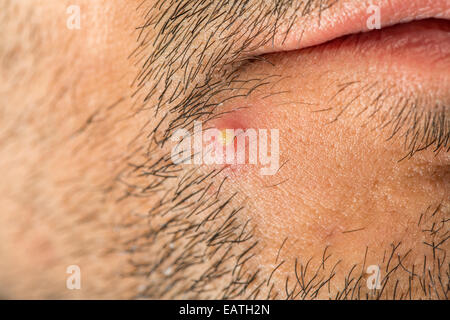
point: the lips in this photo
(351, 17)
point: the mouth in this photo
(411, 50)
(418, 50)
(347, 18)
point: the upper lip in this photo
(346, 18)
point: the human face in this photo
(94, 91)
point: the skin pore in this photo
(87, 177)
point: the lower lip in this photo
(418, 51)
(351, 17)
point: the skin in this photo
(87, 178)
